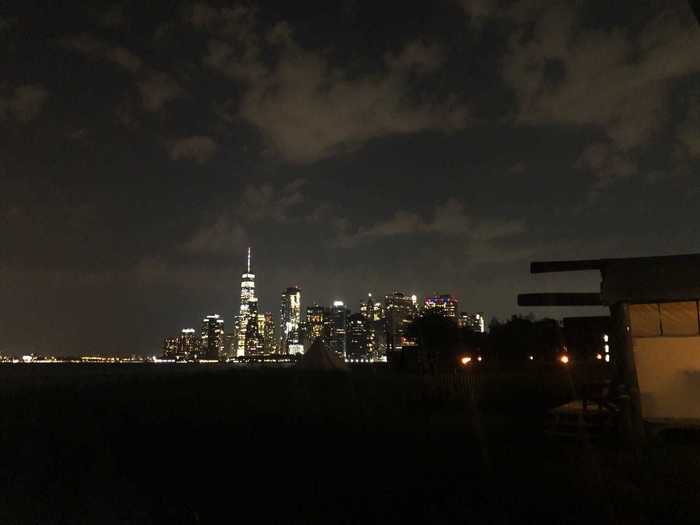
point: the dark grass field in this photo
(148, 444)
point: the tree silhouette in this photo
(440, 342)
(521, 337)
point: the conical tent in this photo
(318, 357)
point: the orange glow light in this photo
(466, 360)
(564, 359)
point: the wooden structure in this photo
(655, 331)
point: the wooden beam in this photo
(625, 376)
(559, 299)
(566, 266)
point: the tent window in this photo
(667, 319)
(645, 320)
(679, 318)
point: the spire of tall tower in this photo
(248, 311)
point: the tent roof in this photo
(318, 357)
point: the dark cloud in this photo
(308, 109)
(78, 135)
(224, 237)
(517, 168)
(606, 163)
(155, 87)
(479, 11)
(114, 16)
(97, 49)
(266, 202)
(227, 233)
(616, 79)
(127, 114)
(449, 219)
(416, 57)
(198, 148)
(237, 22)
(23, 103)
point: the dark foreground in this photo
(148, 445)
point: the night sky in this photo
(356, 146)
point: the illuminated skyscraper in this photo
(379, 313)
(290, 318)
(316, 324)
(399, 312)
(253, 339)
(231, 342)
(188, 345)
(248, 310)
(442, 304)
(170, 347)
(474, 321)
(358, 337)
(337, 341)
(212, 336)
(268, 332)
(261, 340)
(367, 308)
(372, 315)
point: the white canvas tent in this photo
(318, 357)
(655, 334)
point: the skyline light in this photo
(366, 335)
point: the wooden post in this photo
(626, 373)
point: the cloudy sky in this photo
(356, 146)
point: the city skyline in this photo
(371, 332)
